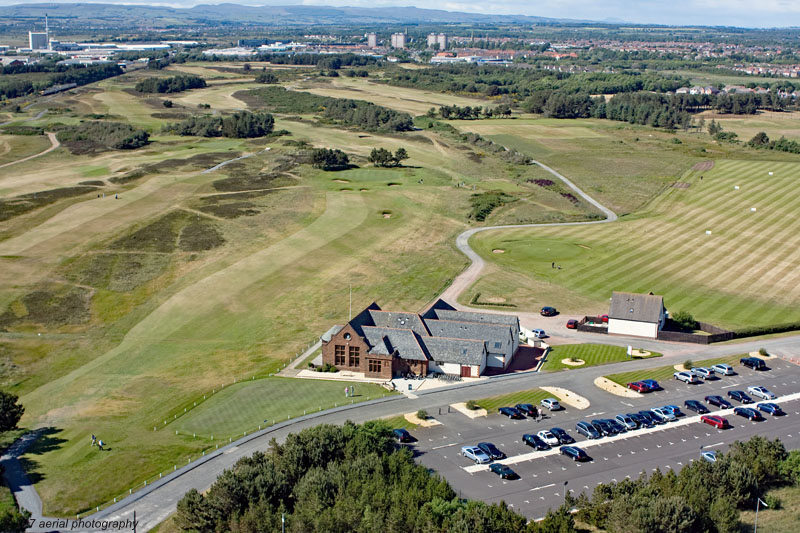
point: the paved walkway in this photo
(53, 145)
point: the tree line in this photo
(174, 84)
(761, 141)
(20, 85)
(239, 125)
(100, 135)
(471, 112)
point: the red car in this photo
(572, 324)
(604, 318)
(714, 420)
(639, 386)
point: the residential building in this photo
(638, 315)
(441, 40)
(384, 344)
(38, 40)
(372, 40)
(398, 40)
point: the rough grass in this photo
(747, 272)
(247, 405)
(663, 374)
(783, 520)
(592, 354)
(399, 422)
(15, 147)
(532, 396)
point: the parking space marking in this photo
(445, 446)
(729, 386)
(543, 487)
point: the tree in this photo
(266, 77)
(10, 411)
(246, 67)
(328, 159)
(380, 157)
(685, 320)
(759, 140)
(400, 155)
(14, 521)
(714, 128)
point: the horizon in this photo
(777, 14)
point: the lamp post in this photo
(758, 503)
(566, 492)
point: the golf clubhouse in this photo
(385, 344)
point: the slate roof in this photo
(328, 335)
(469, 316)
(489, 333)
(637, 307)
(388, 340)
(391, 319)
(459, 351)
(364, 318)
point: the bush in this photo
(756, 331)
(175, 84)
(773, 502)
(685, 320)
(688, 364)
(241, 125)
(167, 103)
(422, 414)
(763, 351)
(329, 159)
(327, 367)
(102, 135)
(10, 411)
(266, 77)
(472, 405)
(484, 203)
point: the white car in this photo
(722, 368)
(709, 455)
(539, 333)
(686, 377)
(476, 454)
(761, 392)
(663, 414)
(548, 437)
(702, 372)
(551, 403)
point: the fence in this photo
(592, 324)
(716, 334)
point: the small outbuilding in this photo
(637, 315)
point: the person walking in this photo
(352, 390)
(100, 445)
(94, 440)
(346, 392)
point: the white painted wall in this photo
(496, 360)
(451, 368)
(632, 328)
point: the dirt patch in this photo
(257, 181)
(173, 231)
(93, 183)
(341, 181)
(19, 205)
(498, 251)
(573, 362)
(50, 306)
(471, 413)
(681, 185)
(429, 422)
(393, 184)
(703, 165)
(615, 388)
(118, 272)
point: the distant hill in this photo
(281, 15)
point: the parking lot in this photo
(543, 474)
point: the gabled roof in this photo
(364, 318)
(385, 341)
(392, 319)
(328, 335)
(459, 351)
(470, 316)
(489, 333)
(637, 307)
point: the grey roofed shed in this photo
(636, 307)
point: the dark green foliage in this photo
(381, 157)
(685, 320)
(472, 405)
(759, 140)
(10, 411)
(422, 414)
(484, 203)
(240, 125)
(338, 479)
(266, 77)
(21, 85)
(174, 84)
(329, 159)
(102, 135)
(790, 467)
(167, 103)
(14, 521)
(23, 130)
(726, 136)
(781, 145)
(756, 331)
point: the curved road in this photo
(53, 145)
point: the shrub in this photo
(102, 135)
(175, 84)
(266, 77)
(766, 330)
(240, 125)
(763, 351)
(484, 203)
(685, 320)
(329, 159)
(422, 414)
(773, 502)
(10, 411)
(327, 367)
(167, 103)
(688, 364)
(472, 405)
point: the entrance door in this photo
(466, 371)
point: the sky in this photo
(742, 13)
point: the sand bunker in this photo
(498, 251)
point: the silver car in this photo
(551, 403)
(702, 372)
(722, 368)
(626, 421)
(761, 392)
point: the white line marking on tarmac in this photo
(543, 487)
(444, 446)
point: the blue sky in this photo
(743, 13)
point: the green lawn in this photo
(592, 354)
(664, 373)
(533, 396)
(247, 405)
(399, 422)
(745, 272)
(782, 520)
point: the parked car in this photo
(718, 401)
(717, 421)
(686, 377)
(603, 427)
(709, 455)
(664, 414)
(674, 409)
(512, 413)
(572, 324)
(618, 428)
(696, 406)
(503, 471)
(539, 333)
(402, 435)
(547, 436)
(639, 386)
(535, 442)
(652, 384)
(739, 396)
(604, 318)
(577, 454)
(562, 436)
(761, 392)
(723, 369)
(588, 430)
(551, 403)
(641, 421)
(475, 454)
(748, 413)
(527, 409)
(771, 408)
(703, 372)
(651, 418)
(548, 311)
(491, 450)
(753, 362)
(626, 421)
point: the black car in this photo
(503, 471)
(640, 420)
(739, 396)
(491, 450)
(719, 401)
(535, 442)
(753, 362)
(748, 413)
(587, 430)
(402, 435)
(528, 409)
(616, 426)
(548, 311)
(652, 419)
(562, 436)
(696, 406)
(603, 427)
(510, 412)
(575, 453)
